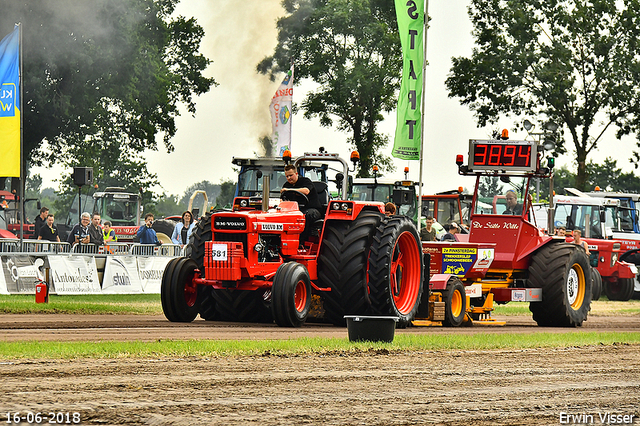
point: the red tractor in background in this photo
(505, 257)
(250, 264)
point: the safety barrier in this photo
(116, 248)
(82, 248)
(9, 245)
(39, 246)
(155, 250)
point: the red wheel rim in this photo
(190, 290)
(405, 273)
(300, 298)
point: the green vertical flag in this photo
(410, 16)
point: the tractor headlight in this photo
(244, 203)
(344, 206)
(335, 206)
(614, 258)
(258, 247)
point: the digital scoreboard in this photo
(506, 155)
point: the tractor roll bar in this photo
(327, 157)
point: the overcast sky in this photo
(234, 115)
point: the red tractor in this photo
(250, 264)
(505, 257)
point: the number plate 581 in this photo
(219, 252)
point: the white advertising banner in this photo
(74, 274)
(3, 283)
(121, 276)
(21, 272)
(151, 270)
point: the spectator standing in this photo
(577, 239)
(95, 230)
(428, 233)
(108, 234)
(80, 232)
(183, 229)
(40, 220)
(146, 234)
(49, 232)
(453, 230)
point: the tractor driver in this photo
(308, 201)
(512, 204)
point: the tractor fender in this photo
(439, 281)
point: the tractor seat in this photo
(323, 196)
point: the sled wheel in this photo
(596, 290)
(183, 294)
(455, 303)
(342, 266)
(291, 295)
(564, 274)
(395, 270)
(165, 290)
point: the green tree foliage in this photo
(570, 62)
(351, 48)
(103, 80)
(211, 189)
(227, 191)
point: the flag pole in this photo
(424, 90)
(22, 177)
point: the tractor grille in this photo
(232, 237)
(223, 270)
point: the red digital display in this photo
(501, 155)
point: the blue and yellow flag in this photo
(10, 104)
(410, 16)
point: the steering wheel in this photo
(291, 195)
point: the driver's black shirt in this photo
(304, 182)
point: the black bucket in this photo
(371, 328)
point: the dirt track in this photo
(529, 387)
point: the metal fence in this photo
(39, 246)
(9, 245)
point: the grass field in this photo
(308, 346)
(149, 304)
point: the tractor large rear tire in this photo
(291, 295)
(563, 272)
(241, 306)
(342, 266)
(455, 303)
(201, 234)
(621, 290)
(396, 270)
(179, 295)
(195, 250)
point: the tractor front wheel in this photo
(563, 272)
(291, 295)
(179, 294)
(455, 303)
